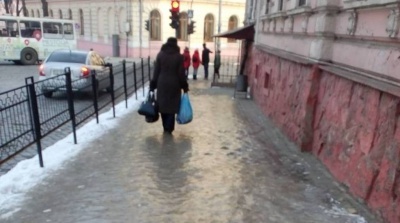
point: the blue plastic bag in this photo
(185, 114)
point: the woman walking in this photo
(169, 79)
(186, 61)
(195, 63)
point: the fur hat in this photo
(172, 41)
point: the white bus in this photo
(27, 40)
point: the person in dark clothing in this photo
(205, 59)
(217, 64)
(169, 79)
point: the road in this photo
(13, 76)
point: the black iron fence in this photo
(31, 112)
(227, 72)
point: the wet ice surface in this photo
(229, 165)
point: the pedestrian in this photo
(169, 79)
(217, 63)
(186, 61)
(195, 63)
(205, 58)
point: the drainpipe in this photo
(140, 27)
(219, 26)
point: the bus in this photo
(27, 40)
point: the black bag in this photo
(151, 119)
(148, 107)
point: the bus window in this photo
(68, 29)
(28, 28)
(9, 28)
(3, 28)
(52, 30)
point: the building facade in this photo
(100, 24)
(326, 72)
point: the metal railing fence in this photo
(228, 72)
(31, 112)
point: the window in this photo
(155, 27)
(81, 20)
(100, 22)
(68, 29)
(38, 13)
(52, 30)
(183, 26)
(280, 7)
(32, 13)
(8, 28)
(266, 80)
(233, 22)
(208, 28)
(29, 29)
(68, 57)
(69, 14)
(110, 21)
(267, 5)
(122, 20)
(302, 2)
(60, 13)
(51, 13)
(251, 8)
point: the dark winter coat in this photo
(196, 59)
(205, 56)
(169, 79)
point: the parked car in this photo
(81, 64)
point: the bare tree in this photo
(24, 9)
(45, 8)
(7, 5)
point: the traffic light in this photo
(175, 6)
(191, 27)
(174, 19)
(147, 25)
(174, 14)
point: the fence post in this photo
(141, 59)
(70, 98)
(135, 78)
(34, 115)
(112, 86)
(95, 91)
(125, 87)
(148, 65)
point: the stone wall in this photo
(351, 128)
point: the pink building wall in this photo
(352, 128)
(328, 77)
